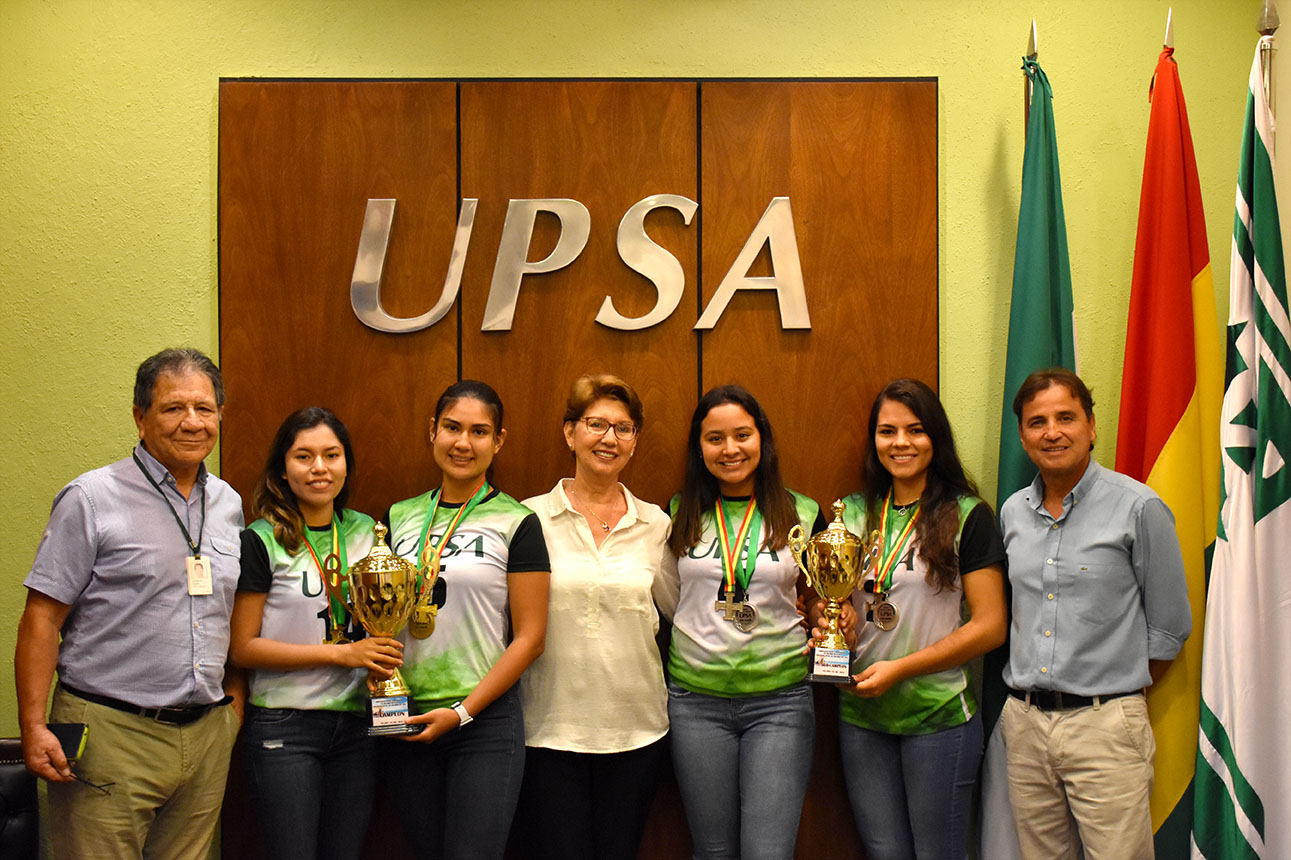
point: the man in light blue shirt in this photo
(1100, 607)
(136, 573)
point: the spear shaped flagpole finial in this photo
(1268, 19)
(1169, 29)
(1026, 80)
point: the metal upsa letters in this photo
(641, 254)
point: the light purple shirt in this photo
(113, 552)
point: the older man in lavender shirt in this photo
(136, 572)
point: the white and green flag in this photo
(1242, 801)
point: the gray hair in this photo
(179, 361)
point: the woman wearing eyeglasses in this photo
(595, 704)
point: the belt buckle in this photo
(161, 714)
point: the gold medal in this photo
(422, 623)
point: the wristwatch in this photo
(463, 715)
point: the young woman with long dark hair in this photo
(456, 782)
(741, 715)
(309, 758)
(910, 735)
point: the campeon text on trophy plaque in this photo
(836, 561)
(383, 593)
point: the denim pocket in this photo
(676, 691)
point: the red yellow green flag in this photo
(1168, 436)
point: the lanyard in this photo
(194, 548)
(883, 576)
(430, 555)
(330, 570)
(737, 567)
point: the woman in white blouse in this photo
(595, 704)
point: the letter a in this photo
(775, 229)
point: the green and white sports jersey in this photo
(472, 626)
(708, 653)
(936, 701)
(295, 610)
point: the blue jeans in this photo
(311, 777)
(912, 794)
(457, 795)
(742, 766)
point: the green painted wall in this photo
(108, 169)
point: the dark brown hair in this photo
(273, 499)
(700, 491)
(938, 524)
(1042, 379)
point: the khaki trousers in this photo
(1081, 777)
(169, 784)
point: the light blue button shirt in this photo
(113, 552)
(1097, 591)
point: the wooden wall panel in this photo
(298, 162)
(607, 144)
(859, 162)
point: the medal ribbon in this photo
(194, 548)
(739, 570)
(429, 554)
(333, 576)
(883, 576)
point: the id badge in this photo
(199, 575)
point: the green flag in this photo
(1242, 790)
(1040, 335)
(1040, 324)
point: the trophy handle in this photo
(798, 545)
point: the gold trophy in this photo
(836, 562)
(383, 594)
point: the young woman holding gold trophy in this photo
(909, 732)
(308, 755)
(742, 720)
(595, 704)
(456, 782)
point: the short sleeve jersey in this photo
(710, 654)
(938, 700)
(500, 536)
(296, 611)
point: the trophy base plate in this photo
(830, 665)
(388, 715)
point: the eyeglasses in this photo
(105, 788)
(624, 430)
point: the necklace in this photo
(605, 524)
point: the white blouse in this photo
(598, 687)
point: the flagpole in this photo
(1268, 26)
(1168, 41)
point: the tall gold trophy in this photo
(383, 594)
(836, 562)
